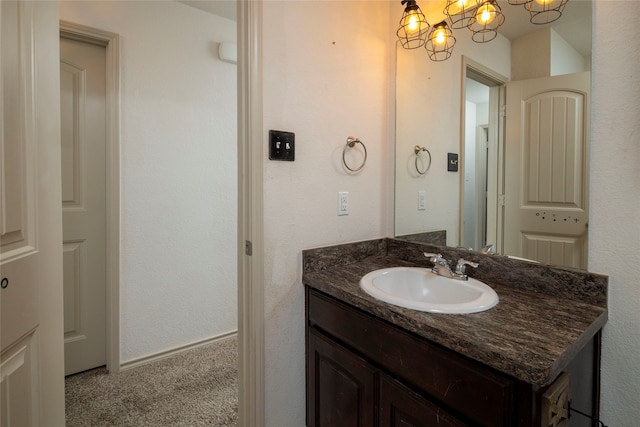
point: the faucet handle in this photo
(489, 249)
(434, 257)
(460, 267)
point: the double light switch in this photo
(282, 145)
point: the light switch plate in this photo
(282, 145)
(422, 200)
(452, 162)
(343, 203)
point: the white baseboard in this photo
(174, 351)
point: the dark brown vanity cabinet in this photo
(364, 372)
(346, 390)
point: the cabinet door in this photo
(340, 386)
(402, 407)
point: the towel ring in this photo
(417, 150)
(351, 142)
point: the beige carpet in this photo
(195, 388)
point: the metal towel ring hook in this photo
(417, 150)
(351, 142)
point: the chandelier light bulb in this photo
(458, 6)
(412, 22)
(439, 36)
(463, 3)
(544, 2)
(486, 13)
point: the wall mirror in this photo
(461, 106)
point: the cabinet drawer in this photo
(477, 393)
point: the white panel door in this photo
(31, 351)
(546, 167)
(83, 140)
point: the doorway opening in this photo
(110, 43)
(482, 133)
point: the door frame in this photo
(251, 408)
(111, 42)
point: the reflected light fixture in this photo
(481, 17)
(486, 21)
(460, 12)
(414, 28)
(545, 11)
(440, 42)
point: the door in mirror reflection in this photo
(476, 155)
(546, 175)
(483, 135)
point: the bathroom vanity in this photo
(370, 363)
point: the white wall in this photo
(326, 76)
(178, 172)
(531, 55)
(468, 238)
(564, 58)
(428, 107)
(545, 53)
(614, 224)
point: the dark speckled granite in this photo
(348, 253)
(532, 334)
(431, 237)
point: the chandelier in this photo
(481, 17)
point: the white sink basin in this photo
(420, 289)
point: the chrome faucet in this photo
(488, 249)
(441, 267)
(461, 268)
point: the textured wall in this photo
(614, 226)
(326, 76)
(178, 172)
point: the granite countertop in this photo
(529, 335)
